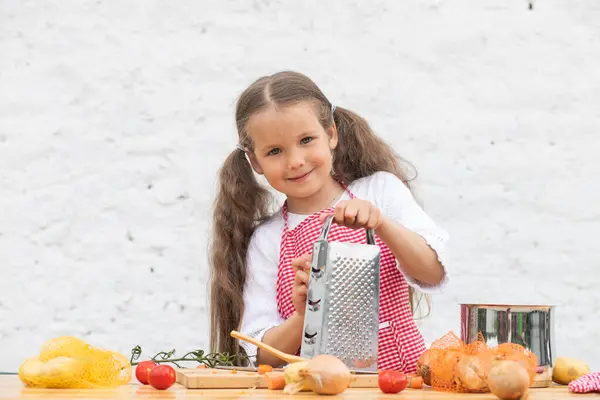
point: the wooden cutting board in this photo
(208, 378)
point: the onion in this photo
(471, 373)
(324, 374)
(508, 380)
(423, 369)
(294, 382)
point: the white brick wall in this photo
(114, 117)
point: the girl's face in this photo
(291, 149)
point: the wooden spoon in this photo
(279, 354)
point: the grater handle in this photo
(327, 227)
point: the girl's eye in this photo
(274, 152)
(306, 140)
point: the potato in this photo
(29, 370)
(63, 346)
(568, 369)
(59, 372)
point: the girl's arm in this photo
(286, 337)
(261, 319)
(413, 237)
(416, 257)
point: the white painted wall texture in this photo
(114, 117)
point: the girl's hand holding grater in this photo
(356, 214)
(301, 267)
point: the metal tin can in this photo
(531, 326)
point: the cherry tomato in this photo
(142, 370)
(390, 381)
(162, 377)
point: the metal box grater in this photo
(342, 304)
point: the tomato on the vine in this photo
(143, 369)
(391, 381)
(162, 377)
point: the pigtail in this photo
(241, 203)
(359, 153)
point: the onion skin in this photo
(293, 378)
(326, 374)
(295, 383)
(471, 373)
(508, 380)
(423, 369)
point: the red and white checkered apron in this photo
(400, 342)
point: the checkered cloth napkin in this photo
(586, 384)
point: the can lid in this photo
(500, 305)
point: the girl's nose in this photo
(295, 159)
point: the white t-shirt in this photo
(385, 191)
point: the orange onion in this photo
(423, 369)
(471, 373)
(508, 380)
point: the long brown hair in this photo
(242, 203)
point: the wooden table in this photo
(12, 388)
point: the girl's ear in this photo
(333, 136)
(255, 166)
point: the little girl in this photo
(326, 161)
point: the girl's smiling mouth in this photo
(300, 178)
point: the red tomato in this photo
(162, 377)
(392, 381)
(143, 369)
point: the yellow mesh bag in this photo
(463, 368)
(69, 362)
